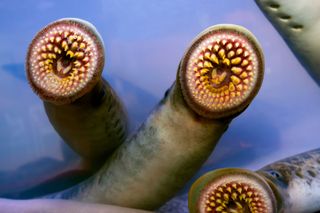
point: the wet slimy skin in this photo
(179, 135)
(64, 65)
(298, 23)
(291, 185)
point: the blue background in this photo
(144, 42)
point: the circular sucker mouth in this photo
(222, 71)
(231, 191)
(65, 60)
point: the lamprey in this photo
(291, 185)
(64, 65)
(219, 75)
(298, 23)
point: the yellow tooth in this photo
(246, 53)
(66, 34)
(57, 50)
(44, 55)
(74, 45)
(204, 71)
(237, 44)
(246, 81)
(249, 194)
(51, 38)
(244, 62)
(52, 55)
(70, 53)
(79, 54)
(207, 64)
(200, 64)
(201, 57)
(222, 76)
(82, 45)
(219, 209)
(75, 71)
(230, 54)
(231, 87)
(207, 55)
(41, 64)
(203, 78)
(235, 79)
(226, 61)
(58, 39)
(249, 68)
(87, 64)
(86, 59)
(236, 60)
(229, 46)
(239, 51)
(243, 75)
(226, 197)
(48, 61)
(222, 53)
(216, 47)
(82, 69)
(49, 46)
(210, 47)
(214, 58)
(64, 45)
(79, 38)
(239, 190)
(224, 41)
(236, 70)
(77, 63)
(43, 48)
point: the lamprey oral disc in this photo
(222, 71)
(172, 144)
(64, 65)
(290, 185)
(231, 190)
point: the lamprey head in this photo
(65, 60)
(221, 71)
(231, 191)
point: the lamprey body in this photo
(298, 23)
(55, 206)
(291, 185)
(64, 65)
(218, 77)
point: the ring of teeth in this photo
(63, 60)
(237, 196)
(222, 71)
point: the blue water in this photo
(144, 42)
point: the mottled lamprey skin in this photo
(298, 23)
(220, 75)
(64, 65)
(291, 185)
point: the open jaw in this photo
(65, 60)
(222, 71)
(231, 190)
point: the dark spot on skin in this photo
(284, 17)
(274, 5)
(296, 26)
(312, 173)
